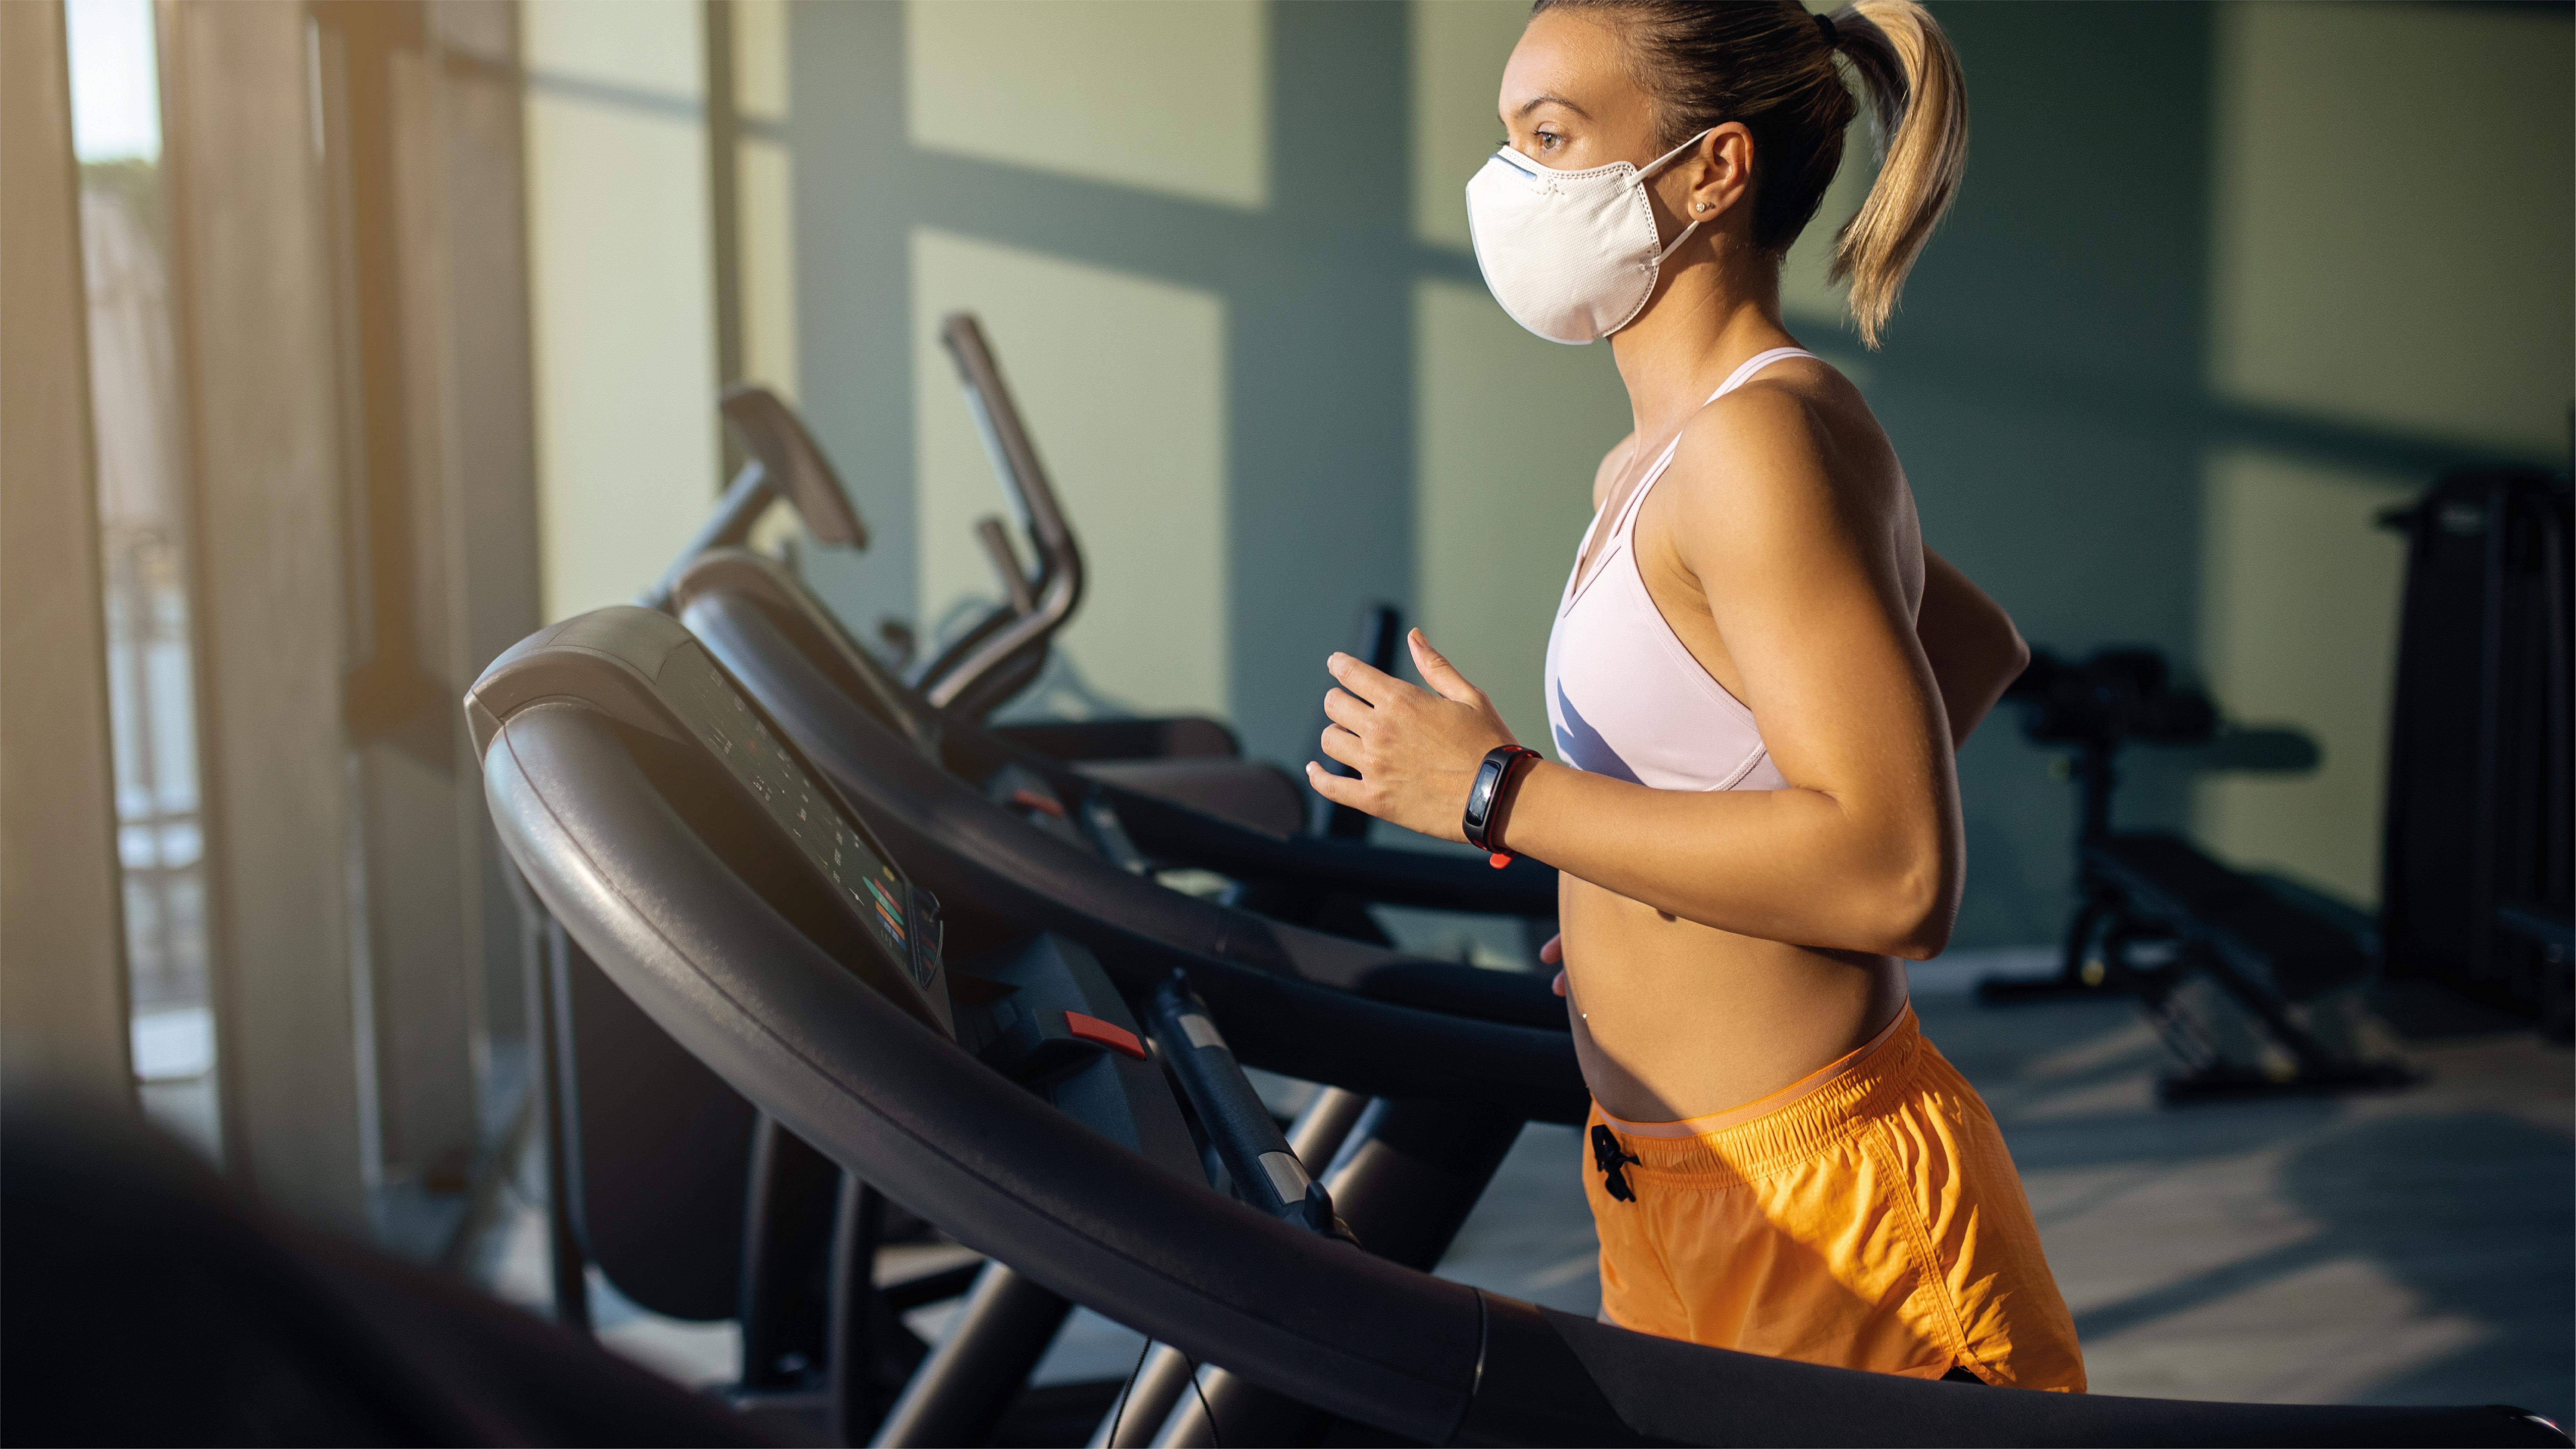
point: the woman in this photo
(1757, 680)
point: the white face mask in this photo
(1572, 255)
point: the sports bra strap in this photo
(1738, 378)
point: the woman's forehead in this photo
(1568, 59)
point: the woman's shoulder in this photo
(1800, 424)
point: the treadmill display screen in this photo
(736, 735)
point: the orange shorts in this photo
(1867, 1217)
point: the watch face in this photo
(1480, 796)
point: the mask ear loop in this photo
(1651, 167)
(1677, 243)
(1656, 165)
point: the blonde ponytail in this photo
(1919, 112)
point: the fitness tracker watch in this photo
(1492, 777)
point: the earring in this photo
(1701, 206)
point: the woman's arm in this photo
(1860, 852)
(1975, 654)
(1974, 650)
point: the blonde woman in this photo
(1757, 680)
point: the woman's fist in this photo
(1416, 750)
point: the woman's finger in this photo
(1553, 952)
(1558, 985)
(1348, 710)
(1440, 674)
(1372, 685)
(1340, 789)
(1342, 745)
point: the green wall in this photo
(2221, 282)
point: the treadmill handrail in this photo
(1397, 877)
(1294, 1000)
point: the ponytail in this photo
(1919, 116)
(1772, 68)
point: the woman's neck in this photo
(1704, 321)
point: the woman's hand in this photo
(1553, 954)
(1416, 751)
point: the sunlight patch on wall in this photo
(765, 200)
(1509, 431)
(1121, 382)
(621, 294)
(2298, 627)
(1171, 98)
(2394, 244)
(760, 68)
(648, 45)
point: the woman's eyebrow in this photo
(1551, 98)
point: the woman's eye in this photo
(1548, 140)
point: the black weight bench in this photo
(2273, 956)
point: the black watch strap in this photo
(1492, 778)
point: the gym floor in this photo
(2407, 1247)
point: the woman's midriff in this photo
(1673, 1019)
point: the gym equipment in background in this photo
(2476, 872)
(1000, 1086)
(2255, 991)
(785, 466)
(1002, 653)
(1190, 761)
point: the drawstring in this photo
(1612, 1162)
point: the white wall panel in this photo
(2396, 215)
(622, 292)
(1145, 93)
(2301, 594)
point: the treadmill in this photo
(1012, 1090)
(696, 1206)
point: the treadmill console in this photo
(736, 735)
(643, 668)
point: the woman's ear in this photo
(1720, 173)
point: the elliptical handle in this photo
(997, 417)
(1057, 585)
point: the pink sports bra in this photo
(1625, 698)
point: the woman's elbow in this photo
(2016, 652)
(1928, 937)
(1916, 909)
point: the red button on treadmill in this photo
(1101, 1033)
